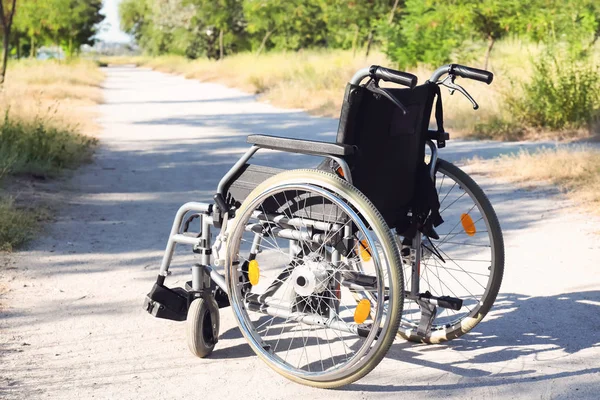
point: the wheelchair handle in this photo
(463, 71)
(386, 74)
(391, 75)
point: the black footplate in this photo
(166, 303)
(452, 303)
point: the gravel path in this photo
(72, 325)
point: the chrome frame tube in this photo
(239, 164)
(360, 75)
(416, 268)
(438, 73)
(434, 158)
(296, 222)
(176, 237)
(291, 234)
(311, 319)
(345, 168)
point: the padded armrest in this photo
(312, 147)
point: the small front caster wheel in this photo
(202, 326)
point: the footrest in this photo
(452, 303)
(166, 303)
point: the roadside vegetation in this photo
(43, 113)
(574, 170)
(545, 53)
(42, 120)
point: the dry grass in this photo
(575, 170)
(45, 115)
(57, 92)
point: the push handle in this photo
(391, 75)
(472, 73)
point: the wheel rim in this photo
(469, 254)
(283, 341)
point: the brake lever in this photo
(449, 83)
(374, 87)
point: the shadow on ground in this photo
(518, 326)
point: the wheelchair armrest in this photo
(311, 147)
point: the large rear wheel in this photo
(466, 262)
(302, 247)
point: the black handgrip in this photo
(480, 75)
(391, 75)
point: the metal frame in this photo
(202, 244)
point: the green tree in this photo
(491, 20)
(134, 17)
(220, 17)
(7, 13)
(574, 22)
(287, 25)
(427, 32)
(265, 17)
(351, 23)
(30, 22)
(81, 24)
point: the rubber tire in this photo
(317, 177)
(469, 323)
(200, 338)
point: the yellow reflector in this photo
(340, 171)
(365, 251)
(253, 272)
(363, 309)
(468, 224)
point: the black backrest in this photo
(390, 144)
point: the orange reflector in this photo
(340, 171)
(468, 224)
(365, 251)
(253, 272)
(363, 309)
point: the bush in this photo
(562, 94)
(37, 147)
(16, 226)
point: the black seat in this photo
(311, 147)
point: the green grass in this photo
(40, 148)
(17, 225)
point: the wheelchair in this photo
(324, 267)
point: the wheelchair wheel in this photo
(466, 262)
(302, 246)
(202, 326)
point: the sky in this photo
(109, 28)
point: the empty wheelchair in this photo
(315, 261)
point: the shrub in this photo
(16, 226)
(37, 147)
(563, 94)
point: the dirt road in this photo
(72, 325)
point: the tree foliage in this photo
(257, 24)
(65, 23)
(432, 31)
